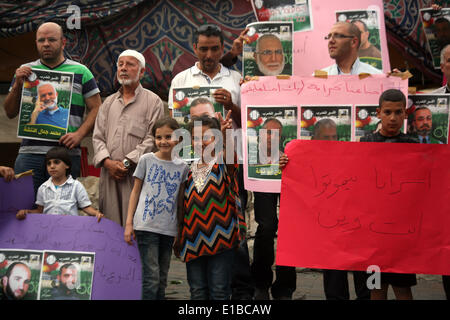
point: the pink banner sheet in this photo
(301, 91)
(347, 206)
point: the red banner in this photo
(347, 205)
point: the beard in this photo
(269, 72)
(12, 295)
(208, 65)
(51, 105)
(128, 82)
(424, 131)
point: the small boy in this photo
(60, 194)
(392, 113)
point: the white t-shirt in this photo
(226, 78)
(357, 68)
(64, 199)
(157, 206)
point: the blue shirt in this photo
(57, 118)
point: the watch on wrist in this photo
(126, 163)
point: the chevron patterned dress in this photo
(212, 216)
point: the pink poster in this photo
(293, 106)
(313, 21)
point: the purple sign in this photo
(17, 194)
(117, 273)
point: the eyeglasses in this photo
(271, 52)
(337, 36)
(206, 27)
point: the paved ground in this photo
(309, 285)
(309, 281)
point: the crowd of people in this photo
(163, 203)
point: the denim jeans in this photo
(209, 277)
(155, 251)
(36, 162)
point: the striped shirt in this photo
(213, 215)
(84, 86)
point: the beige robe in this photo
(123, 131)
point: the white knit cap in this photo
(135, 54)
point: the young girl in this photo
(152, 217)
(210, 217)
(60, 194)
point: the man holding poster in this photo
(208, 71)
(50, 43)
(344, 41)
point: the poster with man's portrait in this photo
(428, 117)
(189, 102)
(297, 11)
(368, 23)
(20, 272)
(67, 275)
(366, 120)
(436, 24)
(319, 122)
(268, 49)
(45, 105)
(269, 129)
(184, 98)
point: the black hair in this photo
(212, 123)
(392, 95)
(166, 121)
(208, 30)
(59, 153)
(67, 266)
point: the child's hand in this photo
(176, 248)
(22, 214)
(283, 161)
(7, 173)
(129, 232)
(99, 216)
(226, 123)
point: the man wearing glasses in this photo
(422, 124)
(269, 55)
(344, 41)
